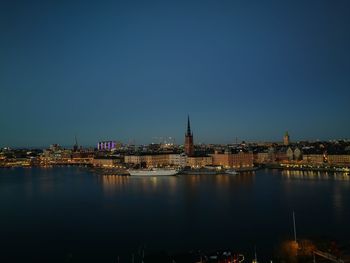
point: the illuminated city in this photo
(175, 131)
(331, 156)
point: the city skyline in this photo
(133, 71)
(174, 140)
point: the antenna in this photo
(255, 257)
(294, 227)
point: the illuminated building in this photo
(106, 162)
(313, 158)
(233, 160)
(281, 156)
(290, 154)
(106, 145)
(133, 159)
(297, 154)
(199, 161)
(263, 157)
(179, 160)
(340, 159)
(157, 160)
(286, 139)
(294, 155)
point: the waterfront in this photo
(72, 215)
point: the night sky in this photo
(133, 70)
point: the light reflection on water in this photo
(107, 213)
(314, 178)
(315, 175)
(114, 183)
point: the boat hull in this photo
(148, 173)
(231, 172)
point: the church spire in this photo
(75, 147)
(189, 147)
(188, 125)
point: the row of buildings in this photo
(238, 156)
(225, 160)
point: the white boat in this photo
(153, 172)
(231, 171)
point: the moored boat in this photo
(153, 172)
(231, 171)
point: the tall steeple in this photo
(286, 139)
(189, 148)
(75, 147)
(188, 126)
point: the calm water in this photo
(73, 215)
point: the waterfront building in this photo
(242, 160)
(293, 155)
(313, 158)
(233, 160)
(339, 159)
(189, 147)
(297, 154)
(222, 159)
(199, 161)
(262, 157)
(286, 139)
(132, 159)
(272, 154)
(157, 160)
(290, 154)
(83, 155)
(178, 160)
(106, 162)
(281, 156)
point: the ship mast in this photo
(294, 228)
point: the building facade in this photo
(286, 139)
(339, 159)
(157, 160)
(261, 158)
(313, 158)
(106, 162)
(236, 160)
(107, 145)
(199, 161)
(178, 160)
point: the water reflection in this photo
(338, 202)
(113, 180)
(119, 183)
(314, 175)
(193, 183)
(181, 213)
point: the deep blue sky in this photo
(133, 70)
